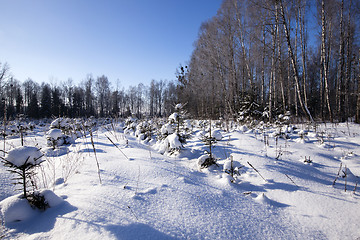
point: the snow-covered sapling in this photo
(55, 138)
(232, 168)
(174, 134)
(130, 125)
(22, 162)
(209, 139)
(144, 130)
(177, 119)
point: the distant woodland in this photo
(255, 59)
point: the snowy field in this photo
(285, 187)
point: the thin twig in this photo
(117, 146)
(133, 212)
(257, 171)
(337, 176)
(97, 162)
(345, 177)
(356, 184)
(291, 179)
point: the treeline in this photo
(276, 56)
(260, 57)
(92, 97)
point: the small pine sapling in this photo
(231, 168)
(22, 162)
(176, 132)
(210, 141)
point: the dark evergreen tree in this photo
(115, 104)
(45, 101)
(56, 103)
(33, 108)
(78, 101)
(19, 101)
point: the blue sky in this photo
(133, 41)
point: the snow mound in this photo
(262, 198)
(16, 208)
(51, 198)
(25, 154)
(217, 135)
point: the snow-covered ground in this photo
(146, 195)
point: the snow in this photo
(174, 117)
(54, 133)
(16, 208)
(25, 154)
(51, 198)
(157, 196)
(217, 134)
(173, 140)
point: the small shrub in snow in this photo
(16, 208)
(65, 124)
(130, 125)
(37, 200)
(210, 141)
(308, 160)
(144, 130)
(279, 133)
(204, 161)
(56, 138)
(174, 134)
(22, 161)
(232, 168)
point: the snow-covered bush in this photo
(130, 125)
(22, 161)
(209, 139)
(303, 136)
(65, 124)
(232, 167)
(144, 130)
(174, 133)
(56, 138)
(16, 208)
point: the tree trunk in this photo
(324, 59)
(294, 64)
(340, 74)
(357, 118)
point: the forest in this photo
(253, 60)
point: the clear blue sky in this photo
(130, 40)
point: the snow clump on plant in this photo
(24, 155)
(56, 138)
